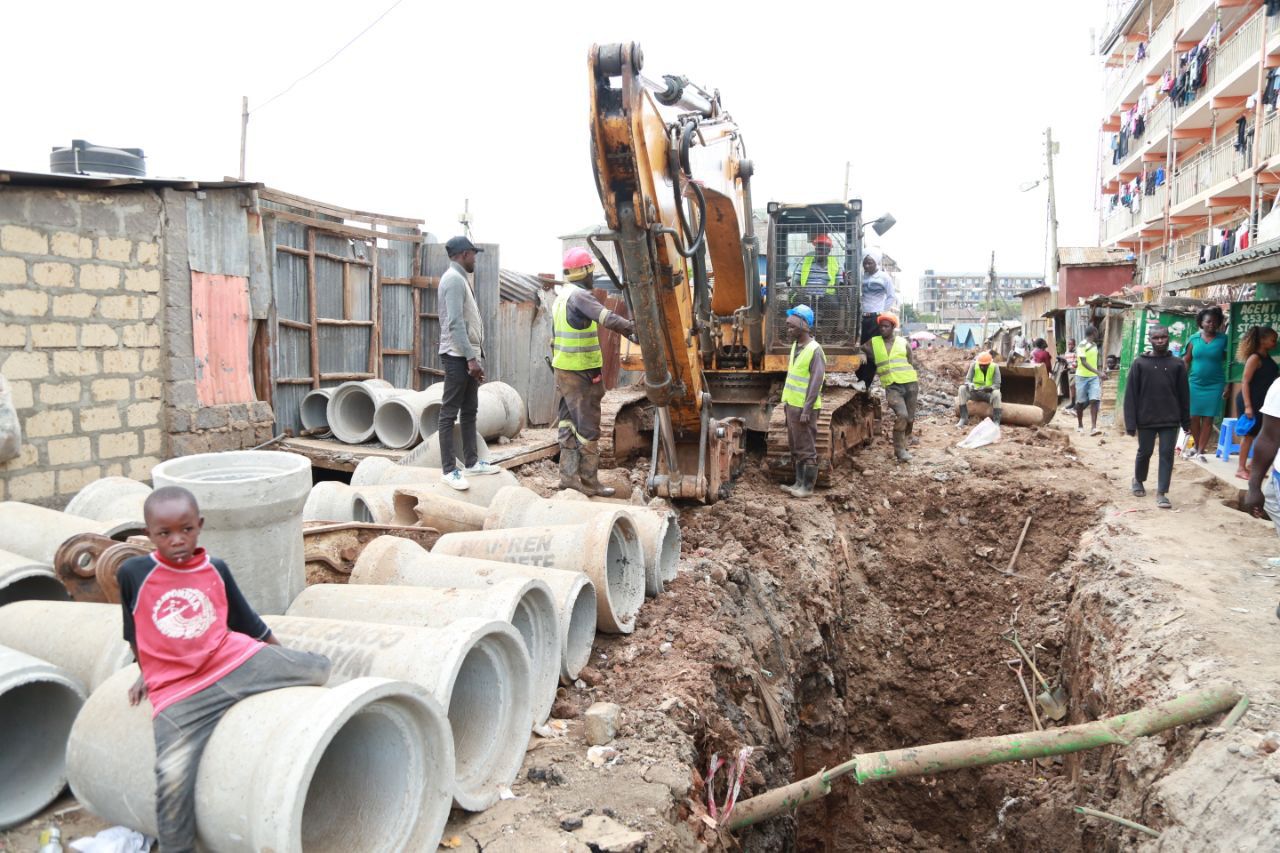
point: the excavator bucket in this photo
(1029, 395)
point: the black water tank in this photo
(84, 157)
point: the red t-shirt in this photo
(190, 622)
(1041, 356)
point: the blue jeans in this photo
(1088, 389)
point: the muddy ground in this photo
(871, 617)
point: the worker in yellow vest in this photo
(814, 280)
(982, 382)
(1089, 378)
(578, 362)
(896, 368)
(802, 399)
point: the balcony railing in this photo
(1189, 10)
(1158, 119)
(1120, 220)
(1186, 180)
(1269, 140)
(1242, 46)
(1153, 205)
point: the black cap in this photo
(457, 245)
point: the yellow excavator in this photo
(675, 184)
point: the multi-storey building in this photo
(953, 292)
(1190, 152)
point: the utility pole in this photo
(244, 130)
(1050, 149)
(465, 218)
(847, 166)
(991, 290)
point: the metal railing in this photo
(1241, 47)
(1186, 178)
(1189, 10)
(1162, 38)
(1117, 222)
(1269, 140)
(1159, 117)
(1153, 205)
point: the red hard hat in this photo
(822, 240)
(575, 258)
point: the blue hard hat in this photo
(804, 312)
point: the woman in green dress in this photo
(1206, 358)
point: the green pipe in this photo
(979, 752)
(1085, 810)
(1236, 713)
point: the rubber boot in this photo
(995, 416)
(962, 415)
(569, 462)
(791, 489)
(808, 478)
(900, 451)
(587, 468)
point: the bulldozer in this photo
(674, 182)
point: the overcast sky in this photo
(940, 106)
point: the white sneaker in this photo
(455, 480)
(481, 467)
(1080, 430)
(1200, 457)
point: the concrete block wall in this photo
(80, 337)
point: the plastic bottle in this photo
(51, 840)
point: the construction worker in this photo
(802, 399)
(814, 279)
(895, 366)
(577, 360)
(982, 382)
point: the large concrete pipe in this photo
(314, 411)
(395, 421)
(605, 547)
(252, 504)
(477, 670)
(36, 532)
(374, 471)
(527, 604)
(328, 500)
(393, 561)
(109, 498)
(429, 509)
(38, 704)
(365, 765)
(22, 578)
(1011, 414)
(377, 505)
(427, 454)
(659, 530)
(500, 412)
(80, 637)
(352, 406)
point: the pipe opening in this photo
(38, 588)
(582, 630)
(478, 714)
(669, 550)
(35, 721)
(360, 510)
(395, 425)
(534, 618)
(366, 785)
(429, 422)
(315, 411)
(626, 584)
(402, 514)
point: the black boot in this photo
(799, 481)
(808, 478)
(587, 468)
(995, 416)
(569, 460)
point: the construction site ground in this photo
(870, 617)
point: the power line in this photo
(289, 88)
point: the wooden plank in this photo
(311, 307)
(345, 259)
(348, 298)
(345, 377)
(304, 381)
(294, 324)
(342, 230)
(375, 313)
(326, 321)
(397, 352)
(291, 250)
(281, 197)
(425, 281)
(334, 455)
(415, 378)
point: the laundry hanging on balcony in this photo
(1271, 89)
(1193, 69)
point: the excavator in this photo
(675, 183)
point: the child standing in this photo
(201, 649)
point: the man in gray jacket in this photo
(461, 347)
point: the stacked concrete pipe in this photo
(81, 638)
(351, 408)
(314, 412)
(396, 420)
(36, 533)
(22, 578)
(365, 765)
(606, 548)
(500, 412)
(373, 471)
(392, 561)
(252, 503)
(526, 604)
(430, 509)
(659, 529)
(110, 497)
(38, 705)
(427, 454)
(476, 669)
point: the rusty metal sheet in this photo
(331, 550)
(220, 334)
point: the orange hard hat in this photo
(892, 318)
(822, 240)
(984, 357)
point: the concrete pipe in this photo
(82, 638)
(252, 504)
(429, 509)
(659, 529)
(110, 497)
(36, 532)
(38, 705)
(500, 412)
(476, 669)
(1011, 414)
(392, 561)
(396, 419)
(427, 454)
(377, 505)
(352, 406)
(328, 500)
(22, 578)
(374, 471)
(314, 411)
(366, 765)
(527, 604)
(605, 547)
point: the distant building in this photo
(946, 293)
(1090, 271)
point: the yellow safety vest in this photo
(980, 381)
(892, 367)
(573, 349)
(796, 388)
(1087, 360)
(833, 270)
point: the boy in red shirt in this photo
(201, 649)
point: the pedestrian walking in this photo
(1264, 481)
(1157, 401)
(802, 399)
(1206, 358)
(895, 366)
(1089, 376)
(1260, 370)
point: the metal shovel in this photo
(1053, 701)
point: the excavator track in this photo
(847, 420)
(624, 403)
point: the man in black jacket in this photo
(1157, 400)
